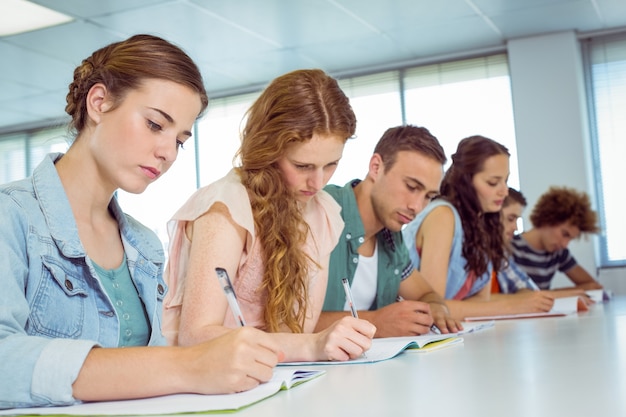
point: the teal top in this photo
(118, 285)
(394, 263)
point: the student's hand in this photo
(236, 361)
(532, 301)
(443, 321)
(574, 292)
(347, 338)
(403, 318)
(582, 305)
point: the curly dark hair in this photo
(562, 204)
(482, 242)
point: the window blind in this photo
(605, 64)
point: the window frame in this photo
(587, 46)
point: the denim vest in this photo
(394, 264)
(456, 267)
(53, 309)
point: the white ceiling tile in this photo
(46, 105)
(91, 8)
(32, 69)
(14, 90)
(79, 37)
(243, 44)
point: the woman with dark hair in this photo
(79, 277)
(456, 241)
(270, 225)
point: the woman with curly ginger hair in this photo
(560, 215)
(457, 240)
(271, 226)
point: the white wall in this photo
(552, 134)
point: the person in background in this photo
(80, 279)
(456, 242)
(511, 279)
(560, 215)
(404, 175)
(270, 225)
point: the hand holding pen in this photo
(350, 300)
(433, 328)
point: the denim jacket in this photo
(53, 310)
(457, 275)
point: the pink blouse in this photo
(322, 214)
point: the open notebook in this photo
(389, 347)
(284, 378)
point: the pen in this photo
(222, 275)
(349, 299)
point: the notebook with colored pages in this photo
(284, 378)
(388, 347)
(562, 307)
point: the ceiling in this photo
(242, 44)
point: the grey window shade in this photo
(605, 64)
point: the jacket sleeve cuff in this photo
(57, 368)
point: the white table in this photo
(560, 366)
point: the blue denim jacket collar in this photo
(59, 217)
(56, 207)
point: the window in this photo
(21, 152)
(605, 61)
(453, 100)
(219, 132)
(458, 99)
(376, 102)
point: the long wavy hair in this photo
(483, 241)
(293, 108)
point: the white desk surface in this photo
(560, 366)
(553, 366)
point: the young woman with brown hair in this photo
(457, 241)
(80, 279)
